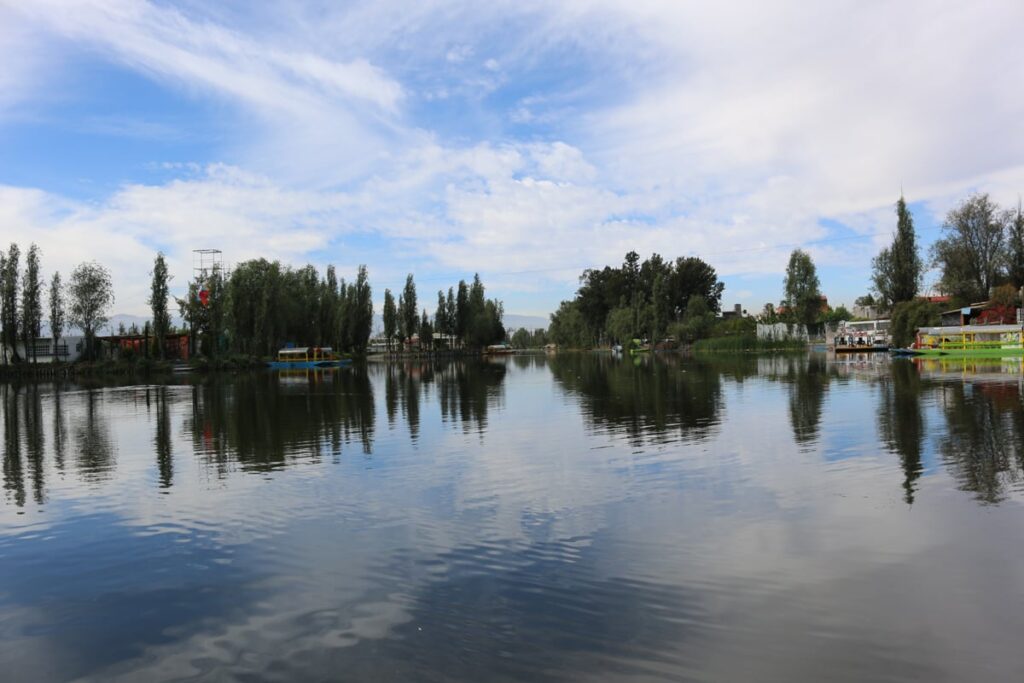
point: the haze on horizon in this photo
(521, 140)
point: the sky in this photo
(521, 140)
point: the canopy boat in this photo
(307, 357)
(499, 350)
(861, 336)
(976, 341)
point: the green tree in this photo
(907, 316)
(56, 312)
(971, 253)
(31, 302)
(361, 310)
(462, 313)
(898, 268)
(620, 326)
(390, 317)
(803, 297)
(408, 311)
(451, 314)
(521, 339)
(11, 268)
(158, 294)
(91, 294)
(568, 328)
(1015, 238)
(426, 332)
(441, 314)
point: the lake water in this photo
(575, 517)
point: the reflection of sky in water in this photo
(572, 518)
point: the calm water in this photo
(578, 517)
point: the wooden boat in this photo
(307, 357)
(970, 341)
(499, 350)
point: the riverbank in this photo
(134, 366)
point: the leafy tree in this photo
(10, 283)
(1015, 238)
(907, 316)
(620, 325)
(390, 317)
(568, 328)
(697, 321)
(803, 297)
(462, 314)
(451, 313)
(836, 315)
(693, 277)
(768, 314)
(408, 311)
(426, 331)
(897, 269)
(441, 315)
(361, 311)
(971, 253)
(329, 310)
(91, 294)
(158, 303)
(56, 312)
(521, 339)
(31, 302)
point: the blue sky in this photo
(521, 140)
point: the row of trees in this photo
(465, 316)
(636, 300)
(263, 304)
(981, 248)
(84, 305)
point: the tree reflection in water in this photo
(901, 422)
(983, 444)
(263, 420)
(644, 398)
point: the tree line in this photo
(645, 300)
(464, 317)
(254, 310)
(82, 303)
(980, 257)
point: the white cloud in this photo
(727, 132)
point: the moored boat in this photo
(974, 341)
(307, 357)
(499, 350)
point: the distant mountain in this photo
(530, 322)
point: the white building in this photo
(68, 350)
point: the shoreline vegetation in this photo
(239, 318)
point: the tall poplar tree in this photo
(1016, 251)
(31, 303)
(56, 313)
(897, 269)
(10, 301)
(409, 311)
(158, 304)
(390, 316)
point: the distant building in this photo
(736, 312)
(176, 345)
(68, 350)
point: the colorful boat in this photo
(307, 357)
(970, 341)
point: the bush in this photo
(907, 317)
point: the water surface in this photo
(575, 517)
